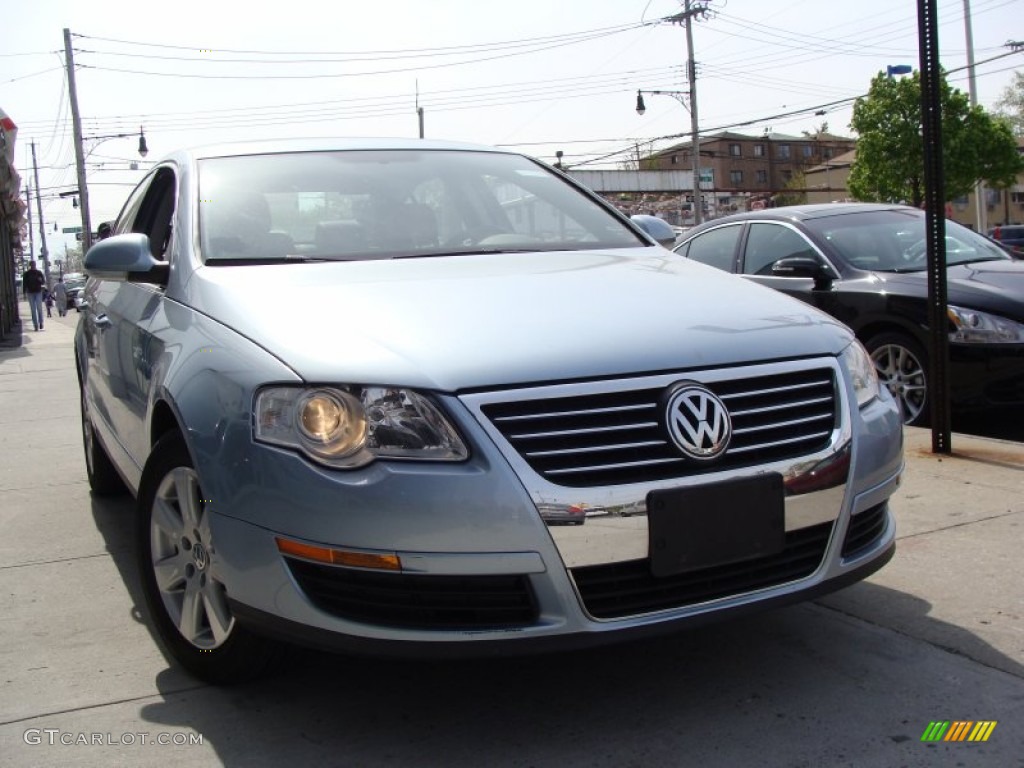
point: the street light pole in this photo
(679, 96)
(80, 155)
(691, 77)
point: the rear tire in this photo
(103, 477)
(179, 568)
(902, 366)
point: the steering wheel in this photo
(916, 252)
(475, 235)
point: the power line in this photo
(381, 53)
(362, 73)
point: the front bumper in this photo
(482, 573)
(511, 642)
(986, 375)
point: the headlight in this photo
(347, 430)
(972, 326)
(862, 373)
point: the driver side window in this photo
(768, 243)
(156, 214)
(150, 211)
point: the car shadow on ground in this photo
(115, 520)
(1001, 423)
(795, 671)
(791, 670)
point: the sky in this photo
(538, 76)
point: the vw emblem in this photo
(698, 422)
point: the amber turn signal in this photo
(339, 557)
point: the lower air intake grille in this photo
(865, 529)
(417, 601)
(628, 589)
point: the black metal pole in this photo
(935, 210)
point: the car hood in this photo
(458, 322)
(994, 286)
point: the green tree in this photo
(795, 191)
(1010, 106)
(890, 151)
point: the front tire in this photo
(179, 569)
(902, 366)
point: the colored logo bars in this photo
(958, 730)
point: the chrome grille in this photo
(615, 436)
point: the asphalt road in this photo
(853, 679)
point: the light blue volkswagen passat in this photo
(349, 381)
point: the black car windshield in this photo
(894, 240)
(382, 204)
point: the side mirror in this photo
(658, 229)
(804, 266)
(126, 258)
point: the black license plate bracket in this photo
(716, 523)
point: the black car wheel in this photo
(99, 469)
(179, 569)
(902, 368)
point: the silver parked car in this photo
(347, 383)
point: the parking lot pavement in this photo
(852, 679)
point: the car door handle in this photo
(102, 321)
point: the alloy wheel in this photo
(184, 563)
(903, 374)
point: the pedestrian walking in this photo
(32, 283)
(60, 295)
(48, 301)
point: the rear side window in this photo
(716, 248)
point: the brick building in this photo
(739, 170)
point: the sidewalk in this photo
(851, 679)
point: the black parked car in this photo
(1011, 236)
(865, 264)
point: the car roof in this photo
(817, 211)
(277, 146)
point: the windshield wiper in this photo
(288, 258)
(975, 261)
(463, 252)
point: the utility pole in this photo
(980, 206)
(28, 218)
(686, 17)
(691, 75)
(419, 109)
(76, 125)
(42, 226)
(690, 9)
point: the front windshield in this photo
(373, 204)
(894, 241)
